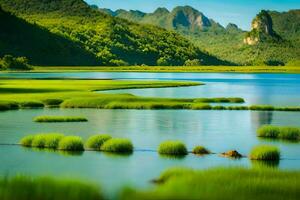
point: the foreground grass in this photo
(25, 188)
(203, 69)
(52, 119)
(222, 183)
(277, 132)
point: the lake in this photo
(219, 131)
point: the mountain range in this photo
(71, 32)
(229, 42)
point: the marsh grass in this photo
(52, 119)
(49, 140)
(31, 104)
(27, 141)
(222, 183)
(8, 105)
(46, 188)
(71, 143)
(52, 102)
(277, 132)
(200, 150)
(265, 152)
(172, 148)
(95, 142)
(201, 106)
(117, 145)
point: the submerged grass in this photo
(277, 132)
(265, 152)
(117, 145)
(222, 183)
(95, 142)
(46, 188)
(172, 148)
(59, 119)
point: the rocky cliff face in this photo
(261, 29)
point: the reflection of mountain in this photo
(259, 118)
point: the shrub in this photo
(46, 188)
(200, 150)
(96, 141)
(172, 148)
(11, 63)
(59, 119)
(287, 133)
(117, 145)
(27, 140)
(265, 152)
(31, 104)
(71, 143)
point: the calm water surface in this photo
(275, 89)
(217, 130)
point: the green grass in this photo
(277, 132)
(49, 140)
(8, 105)
(117, 145)
(265, 152)
(46, 188)
(200, 150)
(200, 69)
(71, 143)
(221, 183)
(31, 104)
(59, 119)
(172, 148)
(95, 142)
(52, 102)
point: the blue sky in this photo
(240, 12)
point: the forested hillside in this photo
(227, 42)
(96, 38)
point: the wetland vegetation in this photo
(52, 119)
(278, 132)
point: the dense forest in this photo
(227, 42)
(70, 32)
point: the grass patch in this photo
(31, 104)
(220, 100)
(172, 148)
(222, 183)
(46, 188)
(52, 102)
(71, 143)
(8, 105)
(59, 119)
(42, 140)
(117, 145)
(200, 150)
(276, 132)
(95, 142)
(265, 152)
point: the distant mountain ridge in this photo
(274, 39)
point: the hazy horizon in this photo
(234, 11)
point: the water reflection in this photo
(258, 164)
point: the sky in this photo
(240, 12)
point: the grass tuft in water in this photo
(200, 150)
(27, 141)
(46, 188)
(117, 145)
(8, 105)
(172, 148)
(52, 119)
(277, 132)
(265, 152)
(31, 104)
(95, 142)
(71, 143)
